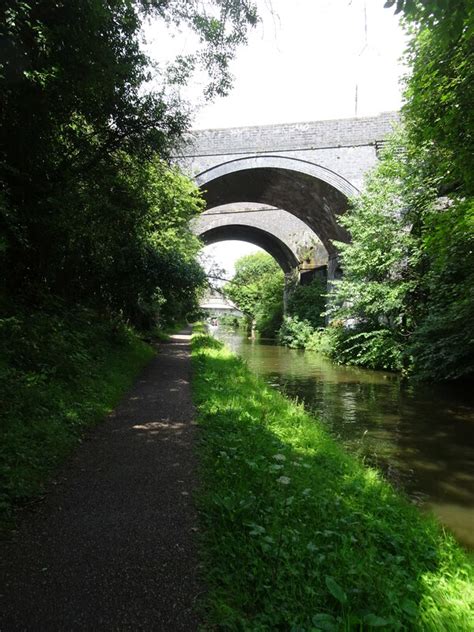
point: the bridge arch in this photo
(314, 194)
(283, 255)
(289, 240)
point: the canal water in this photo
(420, 437)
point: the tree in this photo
(83, 139)
(370, 304)
(439, 120)
(257, 290)
(308, 302)
(440, 91)
(406, 297)
(442, 347)
(221, 26)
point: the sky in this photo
(304, 62)
(307, 60)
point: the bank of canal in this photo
(421, 437)
(296, 534)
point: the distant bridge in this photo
(283, 187)
(217, 305)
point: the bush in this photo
(257, 289)
(374, 349)
(295, 333)
(268, 322)
(321, 340)
(442, 347)
(308, 302)
(60, 371)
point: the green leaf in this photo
(336, 591)
(400, 4)
(375, 621)
(409, 607)
(324, 621)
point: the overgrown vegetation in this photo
(304, 316)
(308, 302)
(442, 346)
(62, 370)
(439, 119)
(257, 290)
(295, 333)
(297, 535)
(371, 302)
(94, 234)
(90, 209)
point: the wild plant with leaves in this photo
(406, 300)
(439, 120)
(298, 535)
(369, 303)
(94, 219)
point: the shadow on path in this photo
(113, 545)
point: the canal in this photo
(421, 437)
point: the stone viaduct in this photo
(283, 187)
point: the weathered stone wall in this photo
(300, 240)
(346, 146)
(308, 169)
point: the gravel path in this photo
(113, 545)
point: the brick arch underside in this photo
(282, 254)
(312, 193)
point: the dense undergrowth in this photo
(61, 370)
(296, 534)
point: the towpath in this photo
(112, 547)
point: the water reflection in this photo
(421, 437)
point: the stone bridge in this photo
(283, 187)
(289, 240)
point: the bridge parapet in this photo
(350, 132)
(346, 146)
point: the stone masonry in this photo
(306, 171)
(345, 146)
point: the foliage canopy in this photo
(406, 299)
(257, 290)
(89, 208)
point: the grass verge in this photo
(60, 372)
(298, 535)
